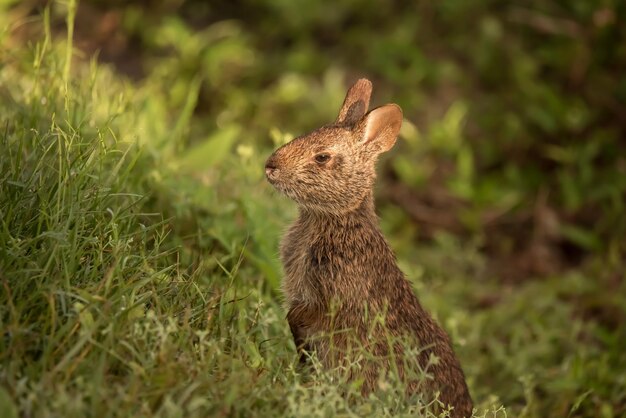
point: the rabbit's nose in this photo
(270, 167)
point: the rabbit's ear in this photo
(356, 103)
(380, 127)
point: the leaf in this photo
(211, 151)
(579, 400)
(7, 406)
(581, 237)
(85, 317)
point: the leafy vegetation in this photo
(138, 238)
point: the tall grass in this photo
(99, 316)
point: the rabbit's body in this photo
(341, 276)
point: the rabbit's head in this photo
(332, 169)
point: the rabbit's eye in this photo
(322, 158)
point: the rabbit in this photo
(340, 275)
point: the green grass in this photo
(139, 272)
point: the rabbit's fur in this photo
(341, 276)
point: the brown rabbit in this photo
(341, 277)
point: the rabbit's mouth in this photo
(283, 186)
(279, 185)
(276, 177)
(272, 175)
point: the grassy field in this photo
(138, 239)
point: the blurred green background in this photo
(505, 197)
(517, 110)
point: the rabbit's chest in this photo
(300, 283)
(317, 270)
